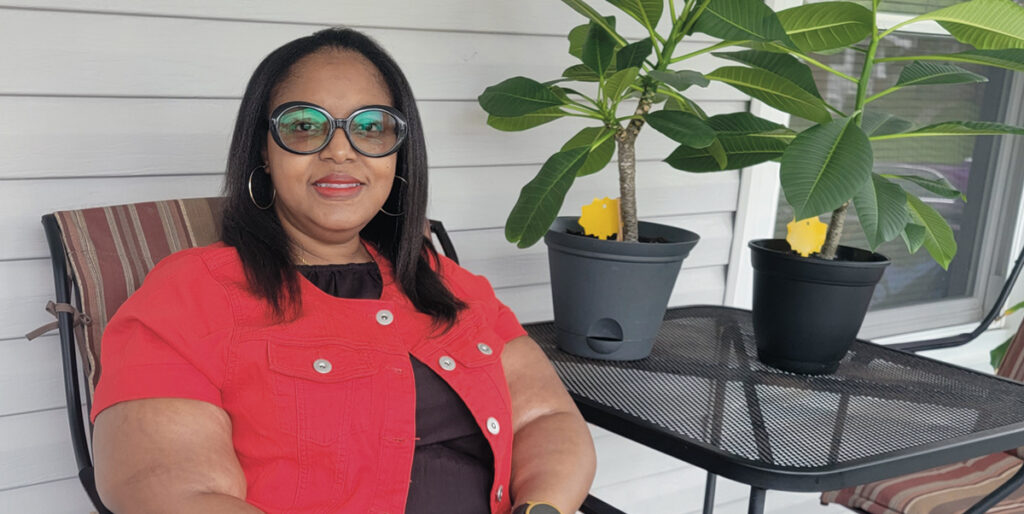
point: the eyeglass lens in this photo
(305, 129)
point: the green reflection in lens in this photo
(303, 128)
(374, 131)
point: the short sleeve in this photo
(170, 339)
(478, 289)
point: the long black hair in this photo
(257, 234)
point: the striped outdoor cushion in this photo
(943, 490)
(111, 249)
(946, 489)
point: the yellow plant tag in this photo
(601, 218)
(806, 236)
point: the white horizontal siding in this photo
(116, 101)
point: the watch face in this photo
(536, 508)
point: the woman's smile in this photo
(338, 185)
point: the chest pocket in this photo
(318, 384)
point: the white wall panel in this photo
(35, 447)
(468, 198)
(487, 252)
(31, 375)
(504, 16)
(24, 202)
(59, 497)
(61, 137)
(86, 54)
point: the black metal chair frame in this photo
(65, 288)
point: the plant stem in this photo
(625, 139)
(702, 51)
(835, 224)
(817, 63)
(835, 231)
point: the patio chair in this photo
(974, 486)
(101, 255)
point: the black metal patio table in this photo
(703, 397)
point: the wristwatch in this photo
(535, 508)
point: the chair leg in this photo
(593, 505)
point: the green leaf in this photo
(685, 105)
(647, 12)
(582, 73)
(1016, 307)
(957, 128)
(939, 186)
(517, 96)
(682, 127)
(609, 27)
(825, 166)
(998, 353)
(541, 198)
(680, 80)
(920, 73)
(882, 210)
(774, 90)
(938, 236)
(598, 49)
(634, 54)
(717, 152)
(526, 121)
(740, 152)
(743, 123)
(618, 83)
(983, 24)
(875, 123)
(784, 65)
(1011, 58)
(826, 25)
(599, 156)
(740, 20)
(913, 235)
(577, 36)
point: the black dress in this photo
(452, 467)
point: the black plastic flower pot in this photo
(807, 311)
(609, 296)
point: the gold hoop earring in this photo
(253, 197)
(405, 184)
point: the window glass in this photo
(964, 161)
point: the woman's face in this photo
(329, 196)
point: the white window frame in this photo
(758, 204)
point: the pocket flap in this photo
(320, 361)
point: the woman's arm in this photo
(552, 453)
(168, 455)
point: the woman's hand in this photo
(168, 455)
(553, 457)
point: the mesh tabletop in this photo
(703, 397)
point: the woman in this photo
(322, 357)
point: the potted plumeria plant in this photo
(827, 167)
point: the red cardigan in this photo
(322, 407)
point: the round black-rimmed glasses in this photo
(305, 128)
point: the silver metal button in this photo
(484, 349)
(447, 363)
(322, 366)
(384, 317)
(500, 493)
(493, 426)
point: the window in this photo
(915, 293)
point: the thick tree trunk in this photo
(835, 231)
(626, 145)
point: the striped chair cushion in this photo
(111, 249)
(946, 489)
